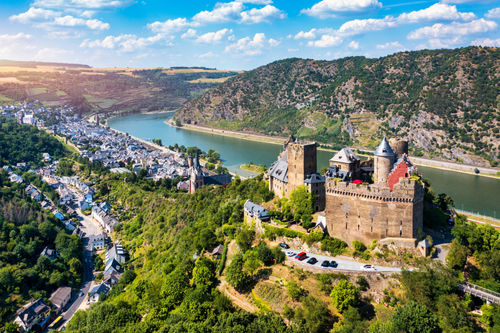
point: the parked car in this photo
(284, 245)
(333, 264)
(312, 261)
(290, 254)
(301, 256)
(325, 263)
(369, 268)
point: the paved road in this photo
(343, 264)
(90, 228)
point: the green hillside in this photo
(444, 101)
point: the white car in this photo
(369, 268)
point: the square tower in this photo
(301, 162)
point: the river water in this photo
(471, 193)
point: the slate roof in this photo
(314, 178)
(279, 170)
(384, 149)
(345, 155)
(255, 210)
(99, 289)
(31, 310)
(59, 296)
(222, 179)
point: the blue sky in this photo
(236, 34)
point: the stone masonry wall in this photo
(368, 212)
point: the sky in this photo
(237, 35)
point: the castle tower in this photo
(383, 162)
(301, 162)
(196, 180)
(190, 161)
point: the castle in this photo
(390, 208)
(198, 178)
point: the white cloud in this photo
(493, 13)
(330, 8)
(207, 55)
(126, 43)
(264, 14)
(35, 15)
(354, 45)
(190, 33)
(446, 43)
(257, 2)
(222, 12)
(306, 34)
(169, 26)
(273, 42)
(214, 37)
(396, 46)
(91, 4)
(487, 42)
(358, 26)
(14, 38)
(326, 41)
(250, 46)
(71, 21)
(435, 12)
(46, 18)
(440, 30)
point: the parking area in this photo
(342, 264)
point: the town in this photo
(76, 208)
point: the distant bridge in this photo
(489, 296)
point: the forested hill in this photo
(444, 101)
(24, 143)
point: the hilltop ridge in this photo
(445, 102)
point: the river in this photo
(476, 194)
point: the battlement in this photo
(406, 190)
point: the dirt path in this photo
(238, 299)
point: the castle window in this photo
(400, 233)
(358, 226)
(346, 225)
(401, 222)
(371, 229)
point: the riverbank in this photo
(233, 134)
(442, 165)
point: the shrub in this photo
(333, 245)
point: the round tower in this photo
(382, 162)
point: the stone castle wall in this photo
(368, 212)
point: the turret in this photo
(383, 162)
(190, 161)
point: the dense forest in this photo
(444, 101)
(26, 230)
(24, 143)
(172, 284)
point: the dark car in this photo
(312, 261)
(333, 264)
(325, 263)
(284, 245)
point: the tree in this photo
(265, 254)
(457, 256)
(175, 285)
(452, 313)
(415, 318)
(235, 274)
(203, 273)
(344, 294)
(294, 290)
(301, 201)
(314, 317)
(245, 239)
